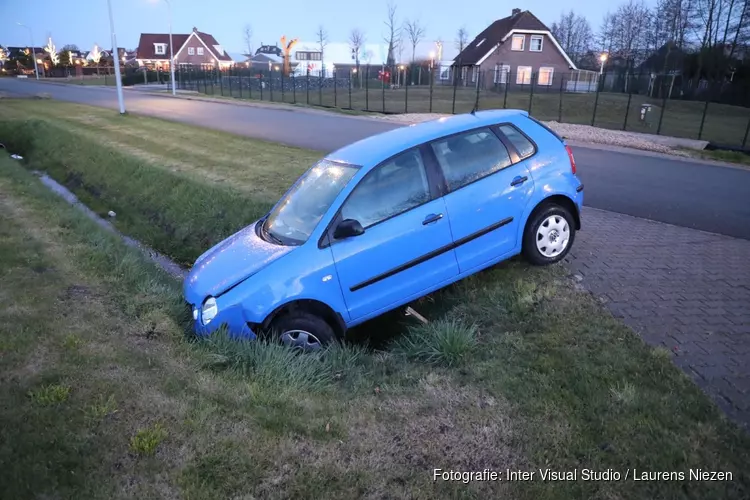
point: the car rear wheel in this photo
(548, 235)
(304, 331)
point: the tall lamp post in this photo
(603, 59)
(116, 59)
(171, 49)
(33, 52)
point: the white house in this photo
(306, 57)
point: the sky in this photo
(86, 22)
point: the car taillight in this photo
(572, 159)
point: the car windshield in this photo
(295, 216)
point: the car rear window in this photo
(524, 146)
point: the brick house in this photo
(197, 48)
(519, 47)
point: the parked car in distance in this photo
(388, 219)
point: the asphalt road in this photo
(685, 193)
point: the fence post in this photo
(281, 73)
(382, 81)
(260, 82)
(559, 111)
(221, 82)
(320, 86)
(406, 97)
(229, 70)
(508, 76)
(307, 83)
(479, 81)
(747, 130)
(270, 84)
(367, 88)
(239, 79)
(661, 115)
(455, 86)
(335, 90)
(294, 89)
(531, 94)
(627, 108)
(599, 83)
(432, 84)
(351, 82)
(705, 110)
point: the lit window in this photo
(545, 76)
(518, 42)
(537, 42)
(200, 51)
(523, 77)
(501, 73)
(191, 51)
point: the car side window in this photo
(524, 146)
(467, 157)
(392, 188)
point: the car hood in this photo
(231, 261)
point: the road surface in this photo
(707, 197)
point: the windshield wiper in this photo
(269, 236)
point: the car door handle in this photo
(431, 218)
(518, 180)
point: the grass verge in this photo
(735, 157)
(544, 378)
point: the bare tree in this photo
(356, 42)
(247, 34)
(415, 32)
(462, 38)
(393, 33)
(321, 36)
(573, 33)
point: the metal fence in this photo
(655, 104)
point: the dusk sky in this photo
(86, 22)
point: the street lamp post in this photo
(603, 59)
(116, 59)
(33, 52)
(171, 48)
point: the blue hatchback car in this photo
(388, 219)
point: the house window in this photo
(191, 51)
(501, 73)
(160, 48)
(519, 42)
(200, 51)
(308, 56)
(537, 42)
(523, 77)
(474, 71)
(545, 76)
(445, 72)
(463, 72)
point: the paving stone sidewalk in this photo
(680, 288)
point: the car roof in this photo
(373, 150)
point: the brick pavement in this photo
(680, 288)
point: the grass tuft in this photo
(72, 342)
(145, 441)
(624, 393)
(102, 407)
(49, 395)
(445, 341)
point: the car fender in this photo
(544, 192)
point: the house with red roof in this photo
(196, 48)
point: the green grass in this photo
(49, 395)
(723, 123)
(95, 80)
(545, 377)
(736, 157)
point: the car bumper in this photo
(233, 319)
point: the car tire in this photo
(549, 235)
(304, 331)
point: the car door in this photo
(486, 193)
(406, 247)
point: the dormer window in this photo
(160, 48)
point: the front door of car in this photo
(487, 193)
(406, 246)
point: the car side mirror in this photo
(348, 228)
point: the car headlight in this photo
(209, 310)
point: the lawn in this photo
(100, 80)
(723, 124)
(105, 397)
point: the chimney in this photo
(195, 30)
(516, 12)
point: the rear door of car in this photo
(488, 184)
(406, 247)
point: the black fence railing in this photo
(655, 104)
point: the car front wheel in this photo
(304, 331)
(548, 235)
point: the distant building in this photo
(196, 48)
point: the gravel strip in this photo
(586, 133)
